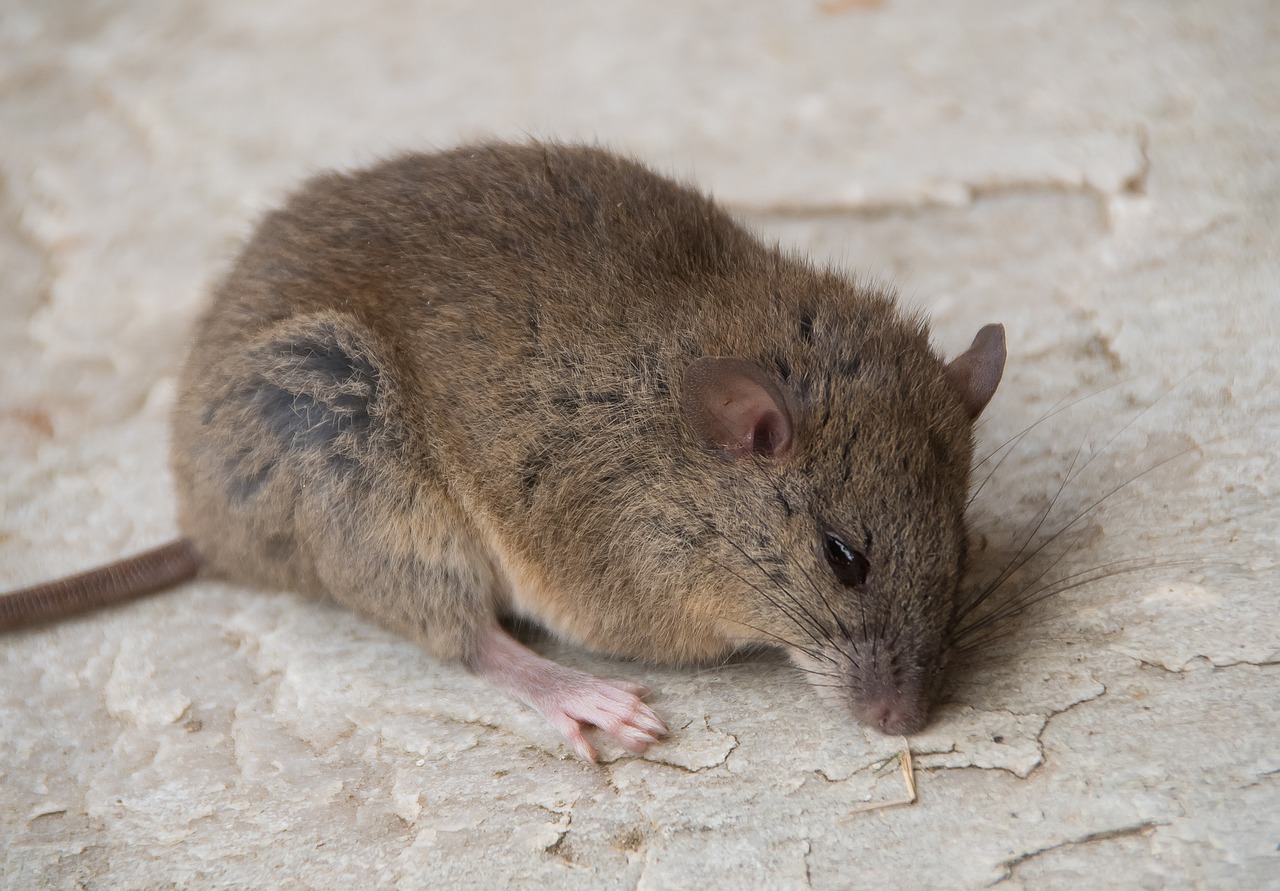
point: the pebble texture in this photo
(1103, 177)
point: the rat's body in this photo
(541, 380)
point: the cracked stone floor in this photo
(1103, 177)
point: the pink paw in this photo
(568, 698)
(613, 706)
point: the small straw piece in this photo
(909, 778)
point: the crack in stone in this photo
(1010, 866)
(1265, 664)
(1215, 666)
(975, 193)
(1048, 719)
(655, 757)
(946, 768)
(1137, 183)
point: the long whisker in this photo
(1072, 472)
(1013, 565)
(970, 632)
(783, 641)
(807, 650)
(816, 630)
(1029, 595)
(1019, 561)
(1056, 409)
(1086, 577)
(810, 627)
(1134, 420)
(1070, 547)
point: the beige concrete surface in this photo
(1103, 177)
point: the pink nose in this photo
(893, 710)
(896, 719)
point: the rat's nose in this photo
(893, 709)
(897, 718)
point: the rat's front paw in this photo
(570, 699)
(613, 706)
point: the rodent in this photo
(541, 380)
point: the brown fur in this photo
(449, 387)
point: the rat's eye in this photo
(850, 566)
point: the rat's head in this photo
(847, 469)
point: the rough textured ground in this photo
(1103, 177)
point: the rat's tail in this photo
(125, 579)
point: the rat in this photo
(541, 381)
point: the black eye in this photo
(850, 566)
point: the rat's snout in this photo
(887, 690)
(893, 709)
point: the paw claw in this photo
(617, 712)
(568, 698)
(584, 749)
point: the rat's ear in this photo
(976, 372)
(732, 404)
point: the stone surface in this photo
(1102, 177)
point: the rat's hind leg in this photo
(301, 464)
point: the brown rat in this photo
(543, 381)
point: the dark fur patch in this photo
(532, 468)
(850, 367)
(783, 366)
(211, 410)
(534, 311)
(802, 386)
(311, 393)
(805, 325)
(245, 477)
(938, 448)
(847, 457)
(646, 370)
(299, 418)
(568, 363)
(566, 401)
(786, 505)
(324, 358)
(280, 547)
(605, 397)
(511, 244)
(644, 364)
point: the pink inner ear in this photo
(734, 405)
(771, 434)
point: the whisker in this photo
(813, 585)
(814, 631)
(1014, 441)
(1055, 409)
(1133, 421)
(807, 650)
(1026, 597)
(1014, 565)
(986, 595)
(1056, 588)
(969, 630)
(1071, 475)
